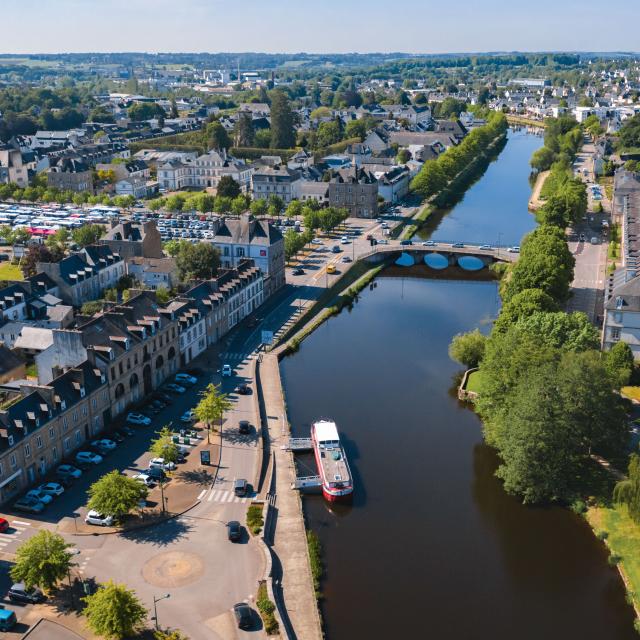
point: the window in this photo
(54, 453)
(85, 411)
(65, 424)
(52, 433)
(12, 461)
(78, 437)
(67, 444)
(39, 442)
(113, 373)
(94, 403)
(615, 333)
(75, 416)
(27, 450)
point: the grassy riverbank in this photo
(315, 557)
(528, 122)
(613, 525)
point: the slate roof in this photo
(247, 230)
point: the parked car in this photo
(182, 378)
(20, 593)
(243, 389)
(174, 388)
(8, 619)
(240, 487)
(95, 517)
(429, 243)
(244, 427)
(105, 444)
(162, 397)
(336, 249)
(298, 271)
(316, 241)
(226, 371)
(188, 416)
(234, 530)
(68, 471)
(88, 457)
(4, 525)
(244, 615)
(346, 259)
(405, 243)
(146, 479)
(36, 494)
(515, 249)
(51, 488)
(161, 464)
(127, 431)
(138, 418)
(344, 240)
(29, 504)
(486, 247)
(457, 245)
(156, 473)
(331, 268)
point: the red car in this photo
(4, 525)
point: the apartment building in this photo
(48, 423)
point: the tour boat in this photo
(333, 468)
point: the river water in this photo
(432, 547)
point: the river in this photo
(432, 547)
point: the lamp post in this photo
(162, 495)
(155, 608)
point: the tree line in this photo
(436, 174)
(562, 139)
(548, 397)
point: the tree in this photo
(91, 308)
(145, 111)
(545, 263)
(619, 363)
(283, 135)
(567, 331)
(259, 207)
(468, 348)
(627, 492)
(212, 406)
(35, 254)
(116, 494)
(164, 446)
(357, 129)
(430, 180)
(87, 234)
(163, 295)
(228, 187)
(522, 305)
(42, 560)
(197, 261)
(328, 133)
(294, 209)
(403, 156)
(244, 131)
(174, 108)
(169, 635)
(217, 136)
(114, 611)
(102, 115)
(542, 159)
(172, 247)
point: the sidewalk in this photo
(290, 543)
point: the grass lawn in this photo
(631, 392)
(623, 540)
(10, 271)
(474, 382)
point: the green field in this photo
(474, 382)
(10, 271)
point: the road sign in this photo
(267, 337)
(205, 456)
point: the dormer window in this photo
(82, 392)
(103, 378)
(63, 404)
(37, 422)
(112, 356)
(127, 344)
(10, 440)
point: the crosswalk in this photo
(17, 527)
(232, 356)
(218, 495)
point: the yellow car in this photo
(331, 268)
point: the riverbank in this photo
(527, 122)
(535, 202)
(453, 191)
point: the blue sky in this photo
(417, 26)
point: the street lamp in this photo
(155, 608)
(162, 495)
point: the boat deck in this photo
(334, 464)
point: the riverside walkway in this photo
(290, 542)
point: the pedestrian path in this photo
(14, 533)
(218, 495)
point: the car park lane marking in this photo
(26, 524)
(202, 494)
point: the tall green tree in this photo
(212, 406)
(114, 611)
(197, 261)
(228, 187)
(164, 447)
(468, 348)
(244, 131)
(87, 234)
(42, 560)
(217, 136)
(283, 134)
(115, 494)
(620, 363)
(627, 491)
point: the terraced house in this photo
(47, 423)
(134, 344)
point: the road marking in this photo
(26, 524)
(202, 494)
(210, 497)
(3, 544)
(8, 538)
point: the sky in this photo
(325, 26)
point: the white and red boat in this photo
(333, 468)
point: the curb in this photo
(142, 526)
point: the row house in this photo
(85, 275)
(134, 344)
(48, 423)
(276, 180)
(12, 167)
